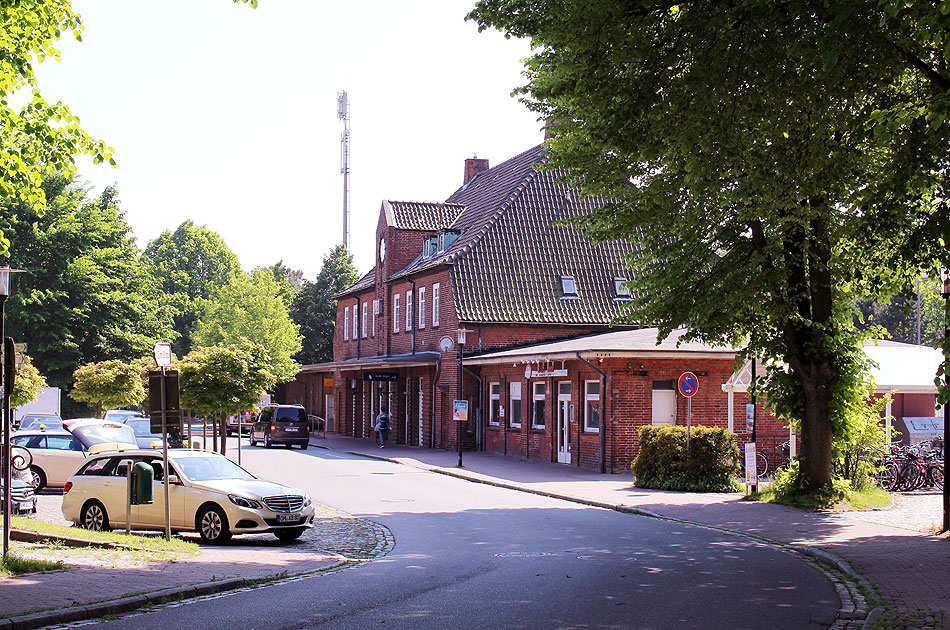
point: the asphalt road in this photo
(474, 556)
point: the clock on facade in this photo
(382, 249)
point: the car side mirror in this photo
(173, 479)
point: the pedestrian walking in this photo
(382, 426)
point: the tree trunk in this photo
(816, 432)
(214, 431)
(223, 423)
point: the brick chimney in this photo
(474, 166)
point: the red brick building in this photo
(545, 374)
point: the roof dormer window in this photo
(621, 290)
(568, 288)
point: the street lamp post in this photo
(945, 282)
(461, 339)
(7, 381)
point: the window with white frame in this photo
(568, 288)
(514, 405)
(422, 307)
(396, 313)
(365, 313)
(494, 413)
(375, 311)
(346, 323)
(435, 305)
(408, 311)
(356, 320)
(539, 392)
(621, 290)
(592, 406)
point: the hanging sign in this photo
(380, 376)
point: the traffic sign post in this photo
(688, 385)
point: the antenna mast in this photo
(343, 113)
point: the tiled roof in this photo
(509, 259)
(414, 215)
(368, 281)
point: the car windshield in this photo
(211, 469)
(90, 434)
(142, 428)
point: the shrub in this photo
(663, 462)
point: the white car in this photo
(57, 453)
(208, 494)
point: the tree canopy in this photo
(39, 138)
(110, 384)
(84, 296)
(27, 385)
(314, 307)
(189, 265)
(251, 307)
(776, 161)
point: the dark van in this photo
(281, 424)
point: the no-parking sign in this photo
(688, 384)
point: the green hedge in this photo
(712, 464)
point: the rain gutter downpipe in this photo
(603, 413)
(435, 389)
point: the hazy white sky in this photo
(227, 115)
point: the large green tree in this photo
(251, 307)
(39, 138)
(84, 296)
(314, 308)
(765, 156)
(190, 265)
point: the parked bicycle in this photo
(908, 468)
(780, 455)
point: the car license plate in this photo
(288, 518)
(291, 429)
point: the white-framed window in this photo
(539, 393)
(621, 290)
(408, 311)
(422, 307)
(435, 305)
(375, 311)
(568, 287)
(346, 323)
(592, 406)
(356, 320)
(494, 412)
(365, 313)
(396, 313)
(514, 405)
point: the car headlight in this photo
(306, 500)
(244, 502)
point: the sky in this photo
(227, 115)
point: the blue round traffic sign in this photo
(688, 384)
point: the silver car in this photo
(208, 494)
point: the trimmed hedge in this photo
(712, 464)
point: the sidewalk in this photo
(909, 568)
(89, 590)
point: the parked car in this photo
(121, 415)
(282, 424)
(208, 494)
(56, 454)
(36, 420)
(143, 432)
(22, 499)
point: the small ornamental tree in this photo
(28, 384)
(224, 380)
(111, 384)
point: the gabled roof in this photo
(509, 259)
(414, 215)
(368, 281)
